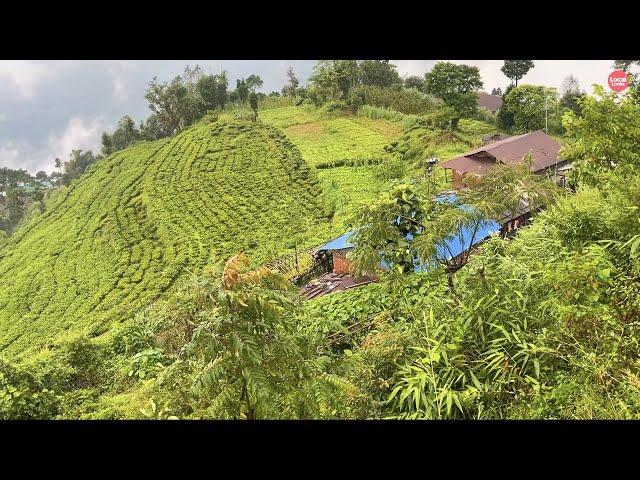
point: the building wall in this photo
(340, 263)
(462, 179)
(457, 181)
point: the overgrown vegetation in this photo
(125, 295)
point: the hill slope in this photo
(120, 236)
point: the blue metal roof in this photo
(339, 243)
(450, 248)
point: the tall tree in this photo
(78, 163)
(292, 82)
(253, 101)
(242, 90)
(221, 90)
(164, 101)
(531, 106)
(151, 129)
(191, 76)
(496, 91)
(380, 73)
(570, 94)
(253, 82)
(414, 81)
(207, 88)
(456, 85)
(124, 135)
(516, 69)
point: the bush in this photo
(485, 115)
(407, 101)
(22, 397)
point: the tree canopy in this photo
(516, 69)
(456, 85)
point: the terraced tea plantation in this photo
(120, 236)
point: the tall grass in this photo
(376, 113)
(275, 102)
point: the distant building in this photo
(493, 103)
(510, 151)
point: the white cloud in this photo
(119, 90)
(24, 76)
(22, 156)
(119, 70)
(546, 72)
(9, 155)
(79, 134)
(3, 117)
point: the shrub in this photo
(22, 397)
(407, 101)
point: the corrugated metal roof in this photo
(543, 149)
(450, 248)
(339, 243)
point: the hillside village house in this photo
(543, 149)
(510, 151)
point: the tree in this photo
(248, 358)
(292, 83)
(529, 104)
(605, 136)
(221, 90)
(207, 88)
(243, 90)
(504, 118)
(496, 91)
(151, 129)
(192, 76)
(124, 135)
(414, 81)
(253, 82)
(516, 69)
(380, 73)
(164, 101)
(107, 146)
(253, 101)
(42, 175)
(456, 85)
(570, 93)
(77, 165)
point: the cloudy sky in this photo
(47, 108)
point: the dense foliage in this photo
(516, 69)
(532, 107)
(101, 318)
(456, 85)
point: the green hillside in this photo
(121, 235)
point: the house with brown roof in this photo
(542, 148)
(493, 103)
